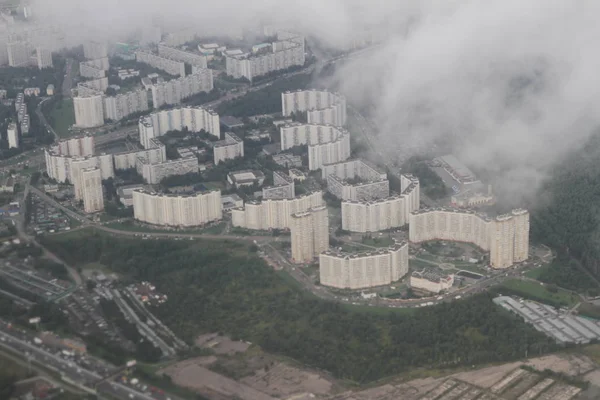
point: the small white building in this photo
(429, 281)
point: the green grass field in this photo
(536, 273)
(538, 292)
(382, 241)
(130, 227)
(62, 116)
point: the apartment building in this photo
(154, 173)
(177, 210)
(172, 53)
(342, 181)
(287, 52)
(170, 66)
(194, 119)
(12, 135)
(229, 148)
(79, 146)
(288, 160)
(91, 182)
(327, 144)
(91, 87)
(89, 111)
(123, 105)
(43, 58)
(93, 50)
(283, 187)
(382, 214)
(363, 270)
(274, 214)
(94, 69)
(506, 237)
(154, 154)
(174, 91)
(25, 124)
(321, 107)
(76, 165)
(19, 53)
(427, 281)
(309, 234)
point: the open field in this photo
(539, 292)
(132, 227)
(537, 272)
(61, 117)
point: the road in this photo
(21, 343)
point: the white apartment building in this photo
(195, 119)
(95, 69)
(103, 163)
(309, 234)
(80, 146)
(506, 237)
(373, 182)
(13, 136)
(321, 107)
(172, 53)
(25, 124)
(19, 53)
(154, 173)
(43, 58)
(229, 148)
(274, 214)
(91, 182)
(174, 91)
(431, 282)
(89, 111)
(363, 270)
(287, 52)
(92, 87)
(383, 214)
(177, 210)
(283, 187)
(94, 50)
(170, 66)
(154, 154)
(327, 144)
(122, 105)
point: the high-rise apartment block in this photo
(197, 60)
(309, 234)
(194, 119)
(170, 66)
(89, 111)
(327, 144)
(153, 173)
(174, 91)
(342, 181)
(177, 210)
(363, 270)
(274, 214)
(123, 105)
(94, 50)
(382, 214)
(19, 53)
(321, 107)
(12, 136)
(506, 237)
(229, 148)
(91, 187)
(43, 58)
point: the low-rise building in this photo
(154, 173)
(231, 201)
(283, 187)
(245, 178)
(125, 193)
(428, 281)
(297, 175)
(287, 160)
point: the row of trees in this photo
(222, 286)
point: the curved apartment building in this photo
(363, 270)
(506, 237)
(321, 107)
(274, 214)
(195, 119)
(177, 210)
(327, 144)
(373, 183)
(378, 215)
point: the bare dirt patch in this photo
(568, 364)
(221, 344)
(283, 380)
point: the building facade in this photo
(274, 214)
(321, 107)
(12, 134)
(170, 66)
(177, 210)
(153, 173)
(283, 187)
(382, 214)
(174, 91)
(172, 53)
(228, 149)
(89, 111)
(430, 282)
(341, 181)
(309, 232)
(19, 53)
(506, 237)
(194, 119)
(123, 105)
(91, 187)
(43, 58)
(364, 270)
(155, 153)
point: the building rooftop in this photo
(430, 275)
(246, 176)
(231, 122)
(458, 167)
(380, 251)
